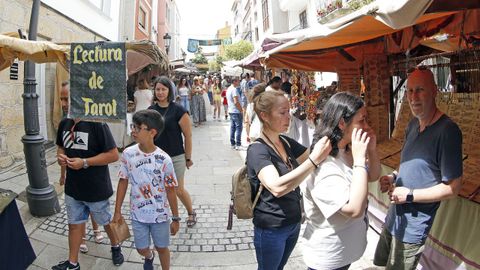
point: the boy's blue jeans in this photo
(236, 126)
(273, 246)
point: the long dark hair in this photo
(219, 84)
(180, 82)
(164, 80)
(342, 105)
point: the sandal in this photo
(98, 236)
(192, 219)
(83, 247)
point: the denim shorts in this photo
(78, 211)
(160, 232)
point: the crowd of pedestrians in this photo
(326, 184)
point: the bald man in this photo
(430, 171)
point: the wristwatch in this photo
(187, 160)
(85, 164)
(176, 218)
(410, 196)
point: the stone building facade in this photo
(52, 26)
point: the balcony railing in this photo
(331, 10)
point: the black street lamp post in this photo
(167, 38)
(41, 196)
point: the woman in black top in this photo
(177, 123)
(280, 164)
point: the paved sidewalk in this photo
(206, 246)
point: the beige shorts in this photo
(179, 165)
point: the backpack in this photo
(241, 195)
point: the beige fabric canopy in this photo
(139, 53)
(12, 47)
(378, 19)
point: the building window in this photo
(236, 30)
(167, 15)
(265, 15)
(142, 18)
(103, 5)
(303, 19)
(256, 34)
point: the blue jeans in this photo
(273, 246)
(236, 126)
(210, 97)
(184, 102)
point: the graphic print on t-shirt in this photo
(149, 175)
(79, 140)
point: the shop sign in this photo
(98, 85)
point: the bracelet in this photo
(361, 166)
(316, 166)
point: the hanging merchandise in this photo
(306, 101)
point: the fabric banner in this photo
(194, 43)
(98, 85)
(210, 42)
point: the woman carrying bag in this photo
(280, 164)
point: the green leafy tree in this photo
(216, 64)
(238, 50)
(199, 58)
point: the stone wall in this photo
(52, 26)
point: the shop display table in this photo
(16, 252)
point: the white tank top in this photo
(144, 99)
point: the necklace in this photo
(287, 163)
(164, 114)
(430, 121)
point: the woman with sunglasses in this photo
(278, 164)
(177, 126)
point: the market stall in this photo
(371, 50)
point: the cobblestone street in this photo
(208, 245)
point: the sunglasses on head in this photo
(412, 69)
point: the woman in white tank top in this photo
(143, 95)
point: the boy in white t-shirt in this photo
(150, 172)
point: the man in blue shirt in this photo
(236, 114)
(430, 171)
